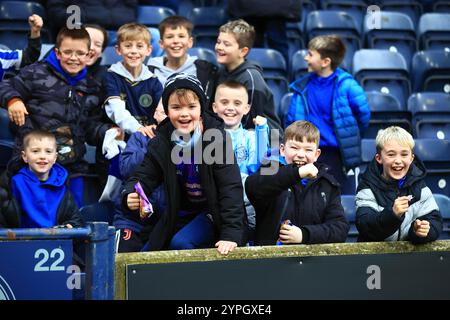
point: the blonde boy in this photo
(393, 202)
(132, 90)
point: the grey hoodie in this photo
(163, 72)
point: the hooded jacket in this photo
(260, 97)
(131, 102)
(375, 219)
(34, 201)
(205, 71)
(220, 182)
(315, 208)
(350, 113)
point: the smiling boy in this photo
(393, 202)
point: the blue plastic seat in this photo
(434, 31)
(385, 111)
(431, 71)
(435, 154)
(412, 8)
(348, 203)
(384, 71)
(5, 132)
(294, 35)
(204, 54)
(101, 211)
(151, 16)
(6, 151)
(396, 33)
(443, 203)
(431, 114)
(284, 107)
(355, 8)
(109, 56)
(207, 21)
(299, 67)
(368, 151)
(441, 6)
(339, 23)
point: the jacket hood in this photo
(57, 177)
(119, 68)
(373, 178)
(164, 72)
(300, 85)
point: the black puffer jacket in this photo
(221, 183)
(315, 208)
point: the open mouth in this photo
(299, 163)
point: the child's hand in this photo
(421, 228)
(259, 121)
(290, 234)
(224, 247)
(159, 114)
(148, 131)
(308, 171)
(401, 205)
(36, 24)
(17, 112)
(69, 226)
(133, 201)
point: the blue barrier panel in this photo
(35, 269)
(32, 269)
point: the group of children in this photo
(197, 139)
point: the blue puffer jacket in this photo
(350, 111)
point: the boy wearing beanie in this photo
(202, 182)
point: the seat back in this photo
(434, 31)
(431, 71)
(151, 16)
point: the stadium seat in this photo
(5, 132)
(14, 26)
(284, 107)
(385, 111)
(6, 151)
(207, 21)
(336, 22)
(434, 31)
(348, 203)
(204, 54)
(307, 7)
(4, 47)
(299, 67)
(294, 35)
(431, 114)
(435, 154)
(431, 71)
(112, 37)
(441, 6)
(109, 56)
(151, 16)
(384, 71)
(368, 151)
(395, 33)
(102, 211)
(410, 7)
(443, 203)
(157, 51)
(354, 8)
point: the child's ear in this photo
(282, 150)
(214, 107)
(326, 62)
(244, 52)
(24, 156)
(246, 109)
(378, 158)
(118, 50)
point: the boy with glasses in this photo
(56, 95)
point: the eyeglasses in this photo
(69, 53)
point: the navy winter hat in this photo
(182, 81)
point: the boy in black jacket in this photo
(205, 205)
(301, 202)
(393, 202)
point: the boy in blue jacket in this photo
(332, 100)
(39, 196)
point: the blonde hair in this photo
(242, 32)
(393, 133)
(302, 129)
(133, 32)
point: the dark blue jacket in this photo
(350, 113)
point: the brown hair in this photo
(302, 129)
(37, 134)
(329, 46)
(133, 32)
(76, 34)
(242, 31)
(174, 22)
(102, 30)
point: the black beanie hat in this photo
(182, 81)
